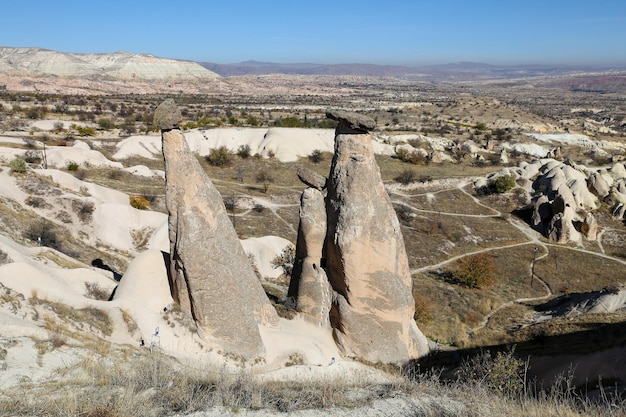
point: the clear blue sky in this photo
(409, 32)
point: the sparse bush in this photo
(36, 202)
(219, 157)
(404, 213)
(115, 174)
(252, 121)
(406, 177)
(85, 209)
(244, 151)
(43, 232)
(84, 130)
(30, 142)
(475, 271)
(265, 178)
(36, 113)
(411, 157)
(18, 165)
(58, 126)
(502, 374)
(423, 309)
(95, 291)
(481, 126)
(139, 202)
(32, 157)
(288, 122)
(316, 156)
(106, 124)
(285, 260)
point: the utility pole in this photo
(532, 268)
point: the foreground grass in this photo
(151, 384)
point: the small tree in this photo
(285, 260)
(265, 178)
(476, 271)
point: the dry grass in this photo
(455, 235)
(566, 270)
(87, 318)
(151, 384)
(459, 309)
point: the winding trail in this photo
(532, 235)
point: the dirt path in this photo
(533, 238)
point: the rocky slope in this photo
(45, 70)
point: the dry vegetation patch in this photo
(460, 309)
(566, 269)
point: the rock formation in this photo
(311, 178)
(598, 185)
(210, 275)
(589, 228)
(145, 282)
(372, 314)
(309, 285)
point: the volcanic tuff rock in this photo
(311, 178)
(210, 275)
(118, 65)
(372, 314)
(352, 121)
(309, 284)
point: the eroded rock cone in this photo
(309, 284)
(211, 277)
(372, 315)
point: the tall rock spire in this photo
(210, 275)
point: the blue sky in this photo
(380, 32)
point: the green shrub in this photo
(106, 124)
(252, 121)
(139, 202)
(84, 130)
(219, 157)
(504, 183)
(18, 165)
(288, 122)
(72, 166)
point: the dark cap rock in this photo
(167, 116)
(354, 121)
(311, 178)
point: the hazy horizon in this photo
(366, 32)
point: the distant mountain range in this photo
(36, 69)
(462, 71)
